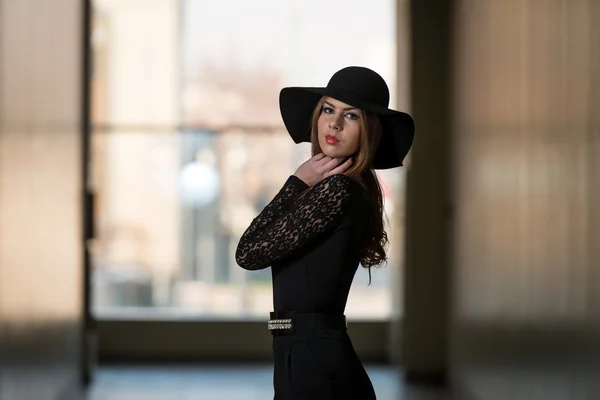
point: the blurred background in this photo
(139, 138)
(188, 144)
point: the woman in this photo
(325, 221)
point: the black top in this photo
(312, 243)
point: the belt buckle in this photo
(281, 322)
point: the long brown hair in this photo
(375, 240)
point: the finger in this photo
(318, 157)
(322, 160)
(332, 163)
(341, 168)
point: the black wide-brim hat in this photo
(359, 87)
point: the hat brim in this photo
(297, 105)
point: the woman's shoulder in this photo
(341, 183)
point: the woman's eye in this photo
(328, 110)
(352, 116)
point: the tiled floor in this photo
(222, 383)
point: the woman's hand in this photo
(320, 167)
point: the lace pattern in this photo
(276, 233)
(280, 203)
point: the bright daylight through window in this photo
(188, 145)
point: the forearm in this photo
(282, 201)
(320, 210)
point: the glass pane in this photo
(172, 202)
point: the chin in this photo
(329, 152)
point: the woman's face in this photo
(338, 128)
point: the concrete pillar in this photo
(41, 238)
(428, 207)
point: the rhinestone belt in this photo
(288, 321)
(280, 323)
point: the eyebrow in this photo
(345, 109)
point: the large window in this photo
(188, 144)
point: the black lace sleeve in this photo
(321, 209)
(280, 203)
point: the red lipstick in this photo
(330, 139)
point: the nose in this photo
(334, 123)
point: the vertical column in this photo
(40, 198)
(428, 197)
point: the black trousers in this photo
(319, 364)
